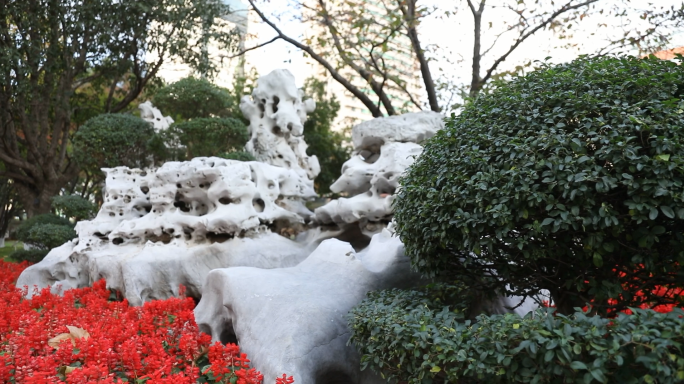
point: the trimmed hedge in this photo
(74, 206)
(48, 236)
(30, 255)
(409, 337)
(205, 137)
(568, 179)
(23, 230)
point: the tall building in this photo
(227, 67)
(397, 57)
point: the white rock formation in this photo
(153, 116)
(383, 149)
(158, 229)
(277, 114)
(292, 320)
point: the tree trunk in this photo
(34, 201)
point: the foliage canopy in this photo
(192, 97)
(204, 137)
(76, 47)
(568, 179)
(410, 337)
(111, 140)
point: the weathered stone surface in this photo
(158, 229)
(383, 149)
(152, 115)
(292, 320)
(277, 114)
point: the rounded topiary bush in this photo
(31, 255)
(569, 179)
(206, 137)
(111, 140)
(23, 231)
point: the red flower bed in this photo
(84, 337)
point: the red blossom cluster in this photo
(84, 337)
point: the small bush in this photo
(238, 155)
(74, 206)
(568, 179)
(30, 255)
(111, 140)
(410, 338)
(205, 137)
(190, 98)
(22, 231)
(48, 236)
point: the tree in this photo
(74, 206)
(322, 141)
(51, 51)
(191, 97)
(111, 140)
(568, 180)
(204, 137)
(207, 123)
(360, 43)
(8, 206)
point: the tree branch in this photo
(333, 72)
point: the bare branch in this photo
(333, 72)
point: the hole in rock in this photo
(277, 130)
(332, 376)
(261, 107)
(164, 238)
(225, 200)
(258, 204)
(214, 237)
(144, 189)
(178, 185)
(112, 214)
(117, 241)
(181, 205)
(228, 336)
(143, 173)
(101, 236)
(289, 126)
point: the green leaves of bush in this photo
(568, 179)
(205, 137)
(111, 140)
(409, 338)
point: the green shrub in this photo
(22, 231)
(48, 236)
(30, 255)
(191, 98)
(206, 137)
(410, 338)
(567, 179)
(238, 155)
(326, 144)
(111, 140)
(74, 206)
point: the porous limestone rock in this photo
(152, 115)
(383, 149)
(158, 229)
(292, 320)
(277, 114)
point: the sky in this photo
(453, 37)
